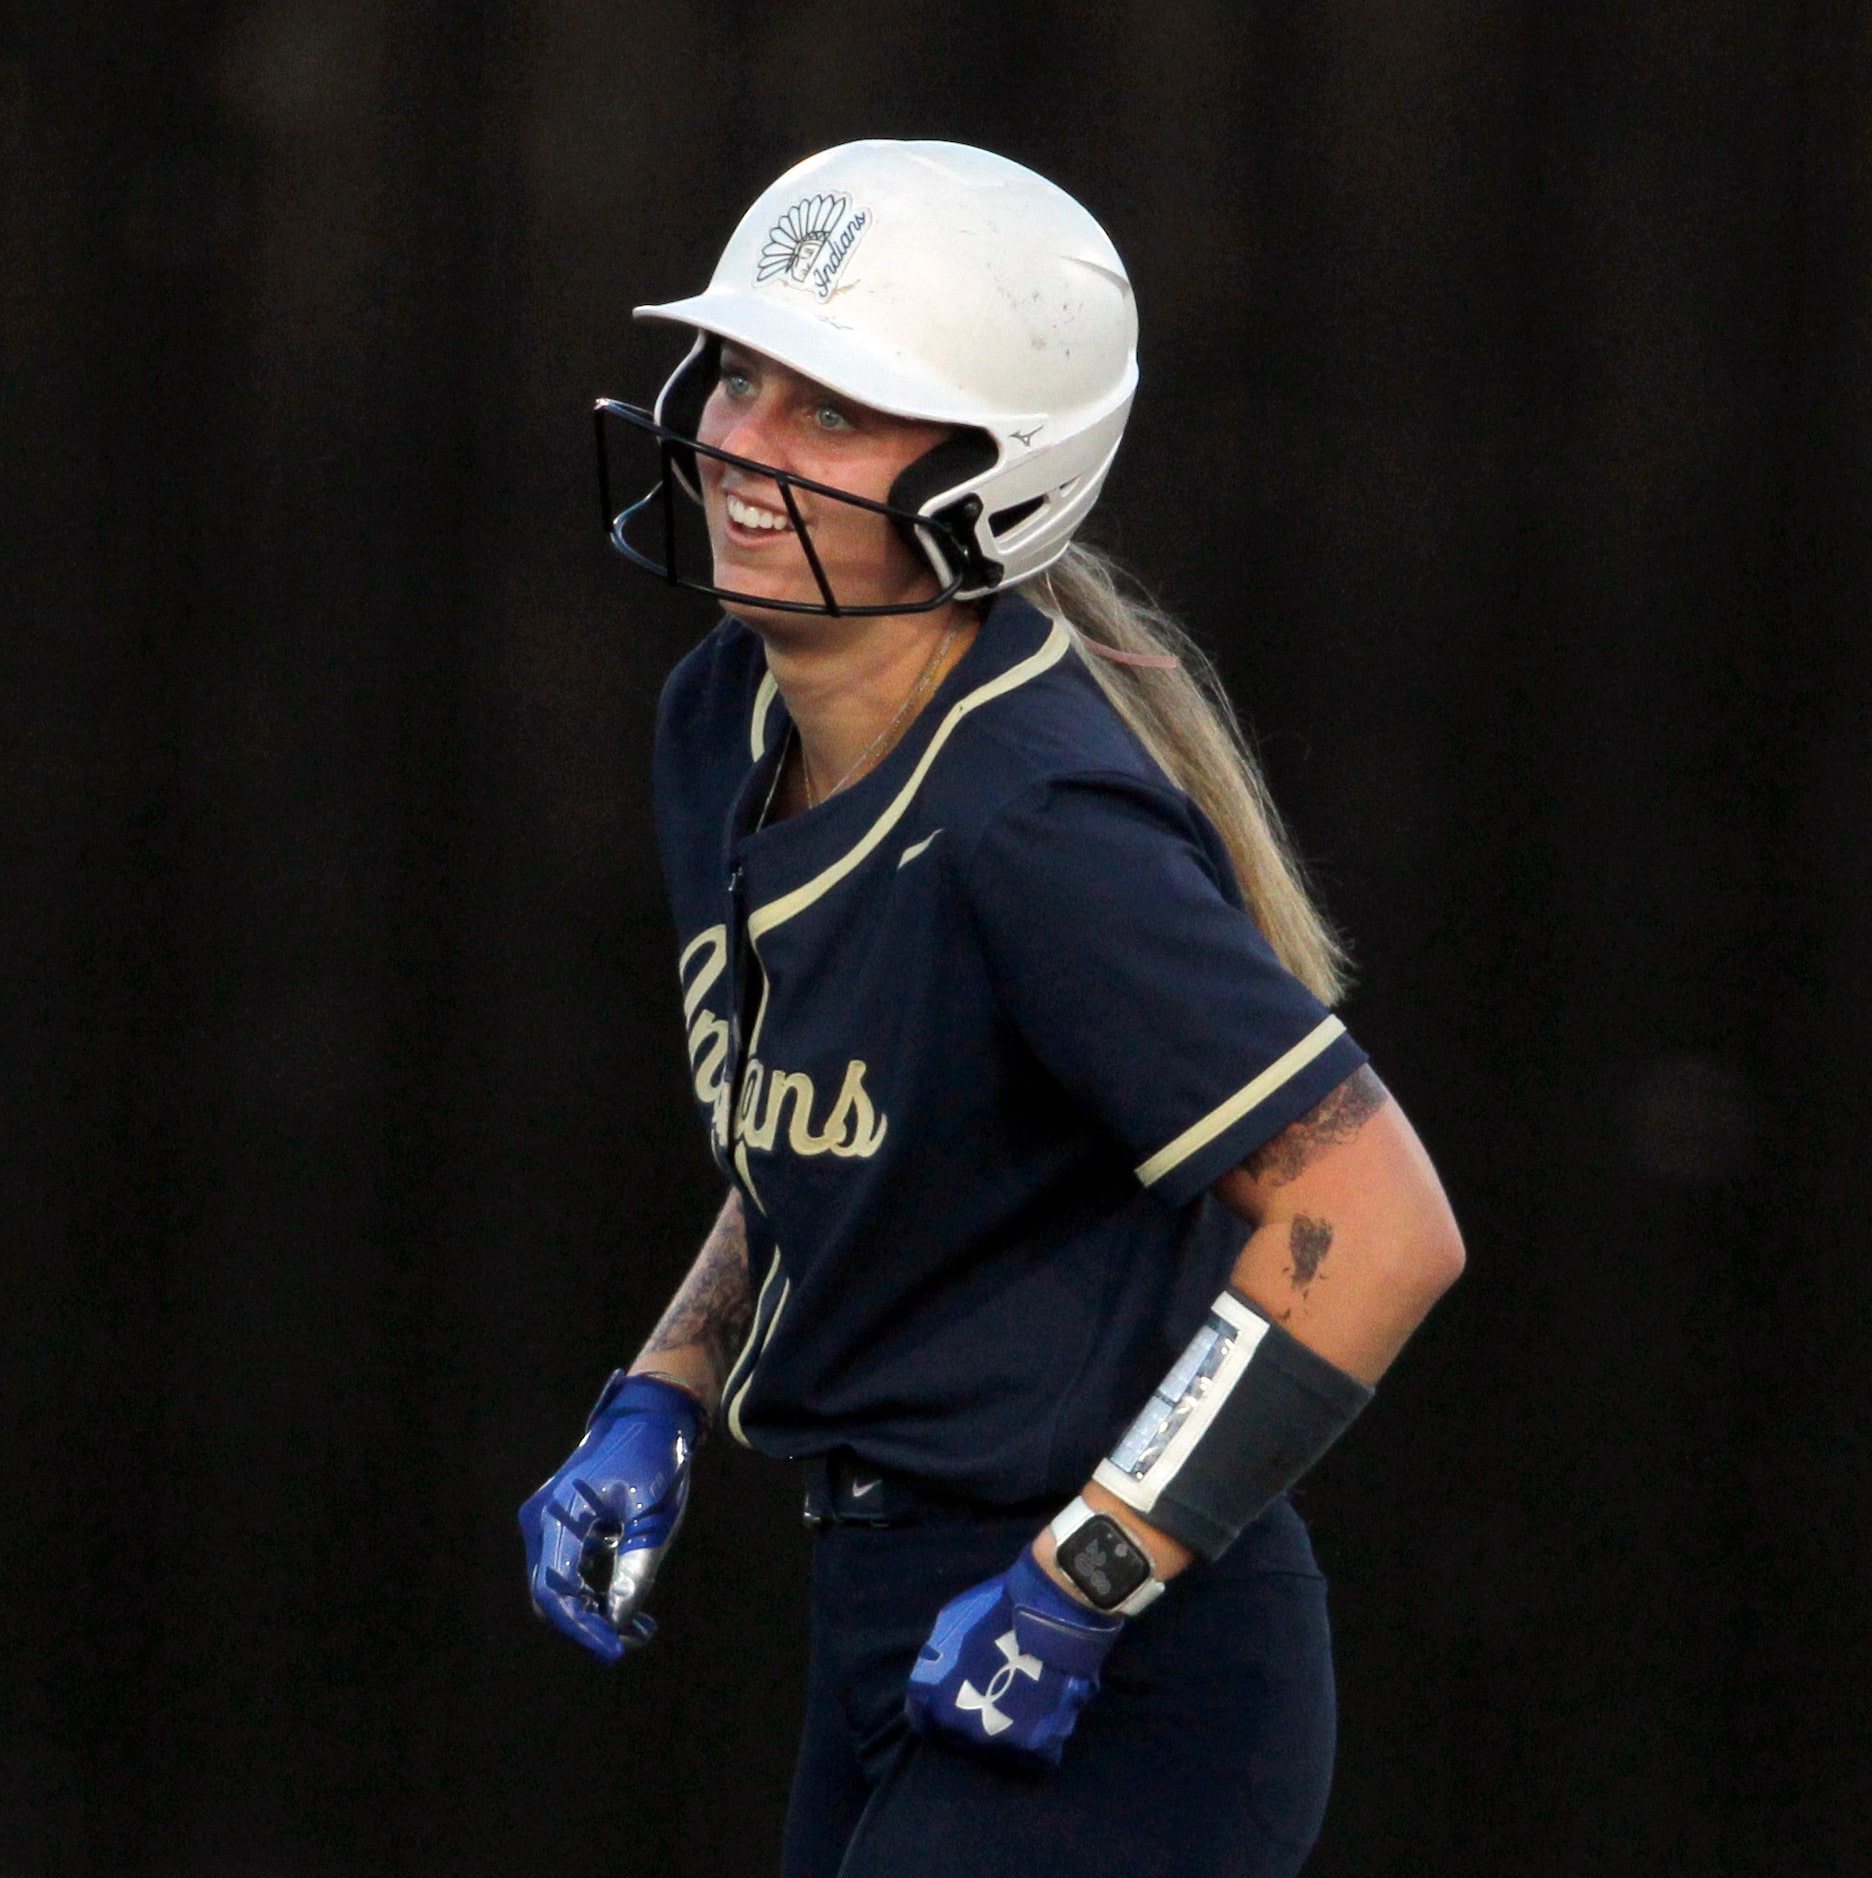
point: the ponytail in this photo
(1164, 687)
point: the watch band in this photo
(1066, 1529)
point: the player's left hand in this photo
(1008, 1666)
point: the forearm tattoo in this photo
(1337, 1119)
(715, 1306)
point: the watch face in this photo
(1103, 1563)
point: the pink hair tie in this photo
(1151, 661)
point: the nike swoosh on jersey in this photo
(858, 1492)
(916, 847)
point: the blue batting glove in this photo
(597, 1530)
(1008, 1666)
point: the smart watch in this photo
(1102, 1561)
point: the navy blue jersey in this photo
(973, 1037)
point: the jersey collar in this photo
(793, 863)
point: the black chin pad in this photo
(955, 460)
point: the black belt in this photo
(843, 1490)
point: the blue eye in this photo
(830, 417)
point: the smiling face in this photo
(768, 412)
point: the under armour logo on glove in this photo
(971, 1698)
(1008, 1666)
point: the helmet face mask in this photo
(932, 282)
(654, 515)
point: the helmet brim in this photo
(833, 355)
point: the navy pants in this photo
(1208, 1749)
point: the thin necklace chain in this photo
(871, 749)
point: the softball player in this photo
(1066, 1224)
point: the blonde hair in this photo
(1164, 687)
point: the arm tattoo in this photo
(715, 1306)
(1308, 1241)
(1337, 1119)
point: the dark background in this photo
(1505, 427)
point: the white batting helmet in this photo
(935, 281)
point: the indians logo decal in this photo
(811, 242)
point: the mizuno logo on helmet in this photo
(811, 242)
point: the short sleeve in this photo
(1118, 945)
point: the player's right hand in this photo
(597, 1530)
